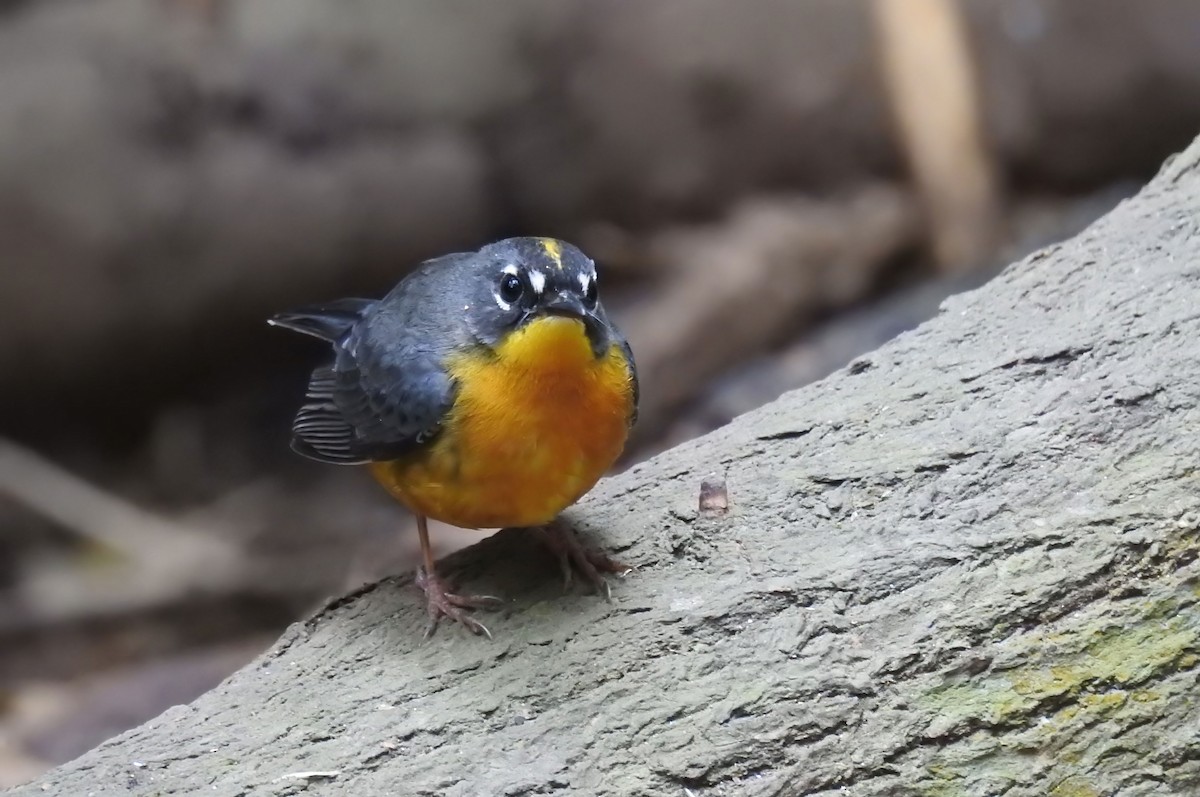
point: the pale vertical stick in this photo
(932, 84)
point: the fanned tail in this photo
(328, 321)
(320, 431)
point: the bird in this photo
(487, 389)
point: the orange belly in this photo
(531, 431)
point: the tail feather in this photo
(320, 431)
(328, 321)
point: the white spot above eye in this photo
(537, 281)
(584, 281)
(511, 268)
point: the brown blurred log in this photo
(140, 537)
(165, 182)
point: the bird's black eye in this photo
(592, 294)
(511, 288)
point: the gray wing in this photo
(616, 337)
(386, 392)
(374, 403)
(633, 377)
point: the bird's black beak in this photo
(566, 305)
(569, 306)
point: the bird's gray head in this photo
(518, 280)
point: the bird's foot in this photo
(573, 557)
(443, 603)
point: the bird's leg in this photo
(572, 557)
(439, 601)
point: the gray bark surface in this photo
(965, 564)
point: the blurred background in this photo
(771, 187)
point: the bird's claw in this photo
(573, 557)
(440, 603)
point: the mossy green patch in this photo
(1074, 787)
(1095, 664)
(1116, 664)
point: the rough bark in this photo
(965, 564)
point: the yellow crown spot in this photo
(553, 251)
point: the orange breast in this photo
(531, 431)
